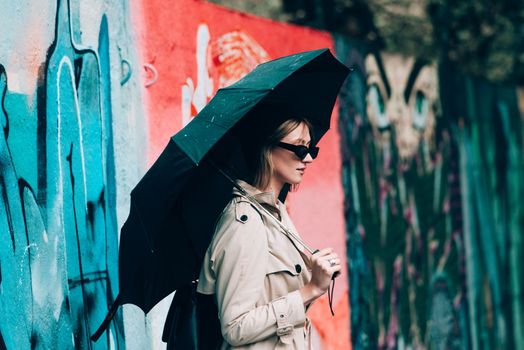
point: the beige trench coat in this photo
(255, 272)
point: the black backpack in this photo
(192, 321)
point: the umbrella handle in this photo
(331, 290)
(111, 313)
(336, 274)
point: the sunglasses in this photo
(300, 151)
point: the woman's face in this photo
(287, 167)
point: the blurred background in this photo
(419, 183)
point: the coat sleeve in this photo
(239, 263)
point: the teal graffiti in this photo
(490, 145)
(58, 265)
(15, 283)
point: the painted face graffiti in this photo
(401, 100)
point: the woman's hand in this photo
(322, 273)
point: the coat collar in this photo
(267, 199)
(264, 198)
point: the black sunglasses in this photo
(301, 151)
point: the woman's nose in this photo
(308, 159)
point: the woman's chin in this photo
(295, 180)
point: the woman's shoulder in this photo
(239, 210)
(239, 229)
(239, 222)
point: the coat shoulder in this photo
(240, 210)
(239, 224)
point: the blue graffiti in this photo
(15, 283)
(58, 265)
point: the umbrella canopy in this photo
(304, 84)
(175, 205)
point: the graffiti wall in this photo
(430, 169)
(90, 93)
(419, 177)
(63, 122)
(202, 52)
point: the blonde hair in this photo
(264, 165)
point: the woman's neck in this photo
(274, 186)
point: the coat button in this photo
(243, 218)
(298, 268)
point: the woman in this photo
(262, 280)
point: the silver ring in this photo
(332, 262)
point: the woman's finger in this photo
(336, 268)
(329, 268)
(328, 258)
(323, 252)
(336, 261)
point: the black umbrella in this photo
(175, 205)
